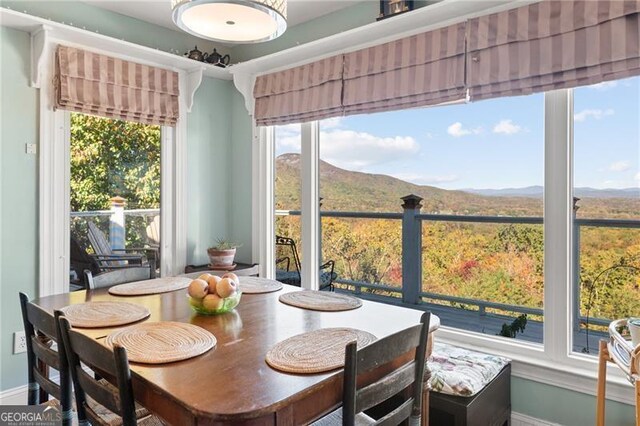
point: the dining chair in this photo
(96, 400)
(119, 276)
(397, 396)
(42, 336)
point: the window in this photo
(288, 201)
(606, 228)
(115, 185)
(479, 169)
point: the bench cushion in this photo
(461, 372)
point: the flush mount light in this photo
(231, 21)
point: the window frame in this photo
(553, 362)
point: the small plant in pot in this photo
(221, 255)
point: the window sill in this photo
(576, 372)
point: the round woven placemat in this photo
(317, 351)
(254, 285)
(162, 342)
(154, 286)
(104, 314)
(320, 300)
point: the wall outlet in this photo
(19, 342)
(31, 148)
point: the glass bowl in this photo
(228, 305)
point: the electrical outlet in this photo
(31, 148)
(19, 342)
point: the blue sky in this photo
(490, 144)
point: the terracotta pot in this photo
(223, 258)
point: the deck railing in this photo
(411, 292)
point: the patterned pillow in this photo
(461, 372)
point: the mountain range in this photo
(346, 190)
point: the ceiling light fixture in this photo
(231, 21)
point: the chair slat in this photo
(102, 394)
(94, 354)
(47, 384)
(385, 350)
(385, 388)
(41, 320)
(398, 415)
(44, 353)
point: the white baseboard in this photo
(518, 419)
(15, 396)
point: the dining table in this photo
(232, 383)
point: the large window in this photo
(607, 208)
(479, 169)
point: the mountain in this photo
(537, 191)
(346, 190)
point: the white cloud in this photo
(358, 150)
(637, 177)
(604, 85)
(507, 127)
(619, 166)
(456, 130)
(425, 179)
(592, 113)
(331, 123)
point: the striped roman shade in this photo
(551, 45)
(308, 92)
(424, 69)
(101, 85)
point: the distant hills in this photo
(536, 191)
(346, 190)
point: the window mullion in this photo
(557, 224)
(264, 185)
(310, 156)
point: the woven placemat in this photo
(317, 351)
(154, 286)
(162, 342)
(255, 285)
(104, 314)
(320, 300)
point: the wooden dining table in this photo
(232, 383)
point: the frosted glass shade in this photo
(231, 21)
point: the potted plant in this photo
(222, 254)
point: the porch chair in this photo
(292, 276)
(153, 233)
(97, 400)
(404, 384)
(119, 276)
(41, 333)
(114, 257)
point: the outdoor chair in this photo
(41, 334)
(97, 400)
(104, 254)
(292, 266)
(120, 276)
(394, 398)
(153, 234)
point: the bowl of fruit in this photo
(213, 295)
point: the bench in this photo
(468, 388)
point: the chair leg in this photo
(424, 417)
(637, 403)
(602, 383)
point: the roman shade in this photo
(551, 45)
(421, 70)
(304, 93)
(97, 84)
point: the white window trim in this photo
(553, 363)
(54, 170)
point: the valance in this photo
(552, 45)
(97, 84)
(304, 93)
(421, 70)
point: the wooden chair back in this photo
(41, 333)
(408, 376)
(98, 240)
(153, 232)
(85, 350)
(119, 276)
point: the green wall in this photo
(18, 192)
